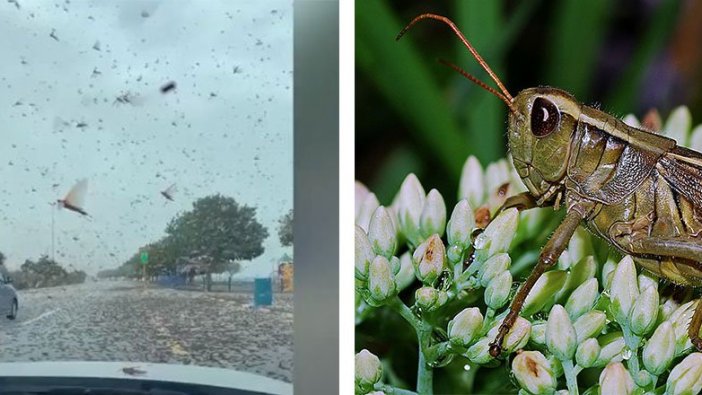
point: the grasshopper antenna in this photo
(481, 84)
(504, 96)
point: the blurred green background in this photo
(416, 115)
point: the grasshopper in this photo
(635, 189)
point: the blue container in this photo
(263, 292)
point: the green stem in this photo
(571, 377)
(632, 343)
(390, 390)
(458, 268)
(487, 322)
(425, 374)
(406, 313)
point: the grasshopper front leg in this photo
(548, 257)
(522, 201)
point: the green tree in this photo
(285, 229)
(216, 231)
(232, 268)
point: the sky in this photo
(226, 128)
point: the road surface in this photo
(128, 321)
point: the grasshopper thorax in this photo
(541, 123)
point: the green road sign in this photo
(144, 257)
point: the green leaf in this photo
(402, 77)
(577, 35)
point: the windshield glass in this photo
(147, 167)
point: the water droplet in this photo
(466, 367)
(626, 354)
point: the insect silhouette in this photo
(168, 87)
(168, 192)
(75, 198)
(636, 189)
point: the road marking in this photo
(42, 315)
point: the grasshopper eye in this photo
(545, 117)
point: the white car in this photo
(8, 295)
(82, 377)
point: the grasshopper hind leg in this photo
(680, 261)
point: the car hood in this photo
(185, 374)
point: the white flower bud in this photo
(429, 259)
(686, 377)
(516, 338)
(615, 379)
(580, 245)
(366, 210)
(497, 291)
(465, 326)
(642, 317)
(538, 332)
(579, 272)
(660, 349)
(471, 185)
(680, 320)
(624, 290)
(533, 372)
(409, 208)
(492, 267)
(678, 125)
(647, 280)
(667, 309)
(608, 273)
(561, 338)
(543, 291)
(433, 217)
(381, 281)
(631, 120)
(460, 226)
(496, 175)
(426, 297)
(363, 253)
(498, 235)
(360, 195)
(479, 353)
(454, 254)
(589, 325)
(368, 371)
(395, 265)
(611, 348)
(582, 299)
(587, 353)
(382, 234)
(696, 138)
(405, 276)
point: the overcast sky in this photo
(226, 128)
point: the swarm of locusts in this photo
(598, 304)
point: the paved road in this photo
(127, 321)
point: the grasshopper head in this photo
(541, 122)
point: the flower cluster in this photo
(591, 311)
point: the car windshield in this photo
(147, 194)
